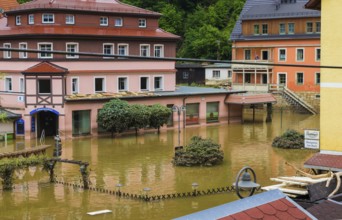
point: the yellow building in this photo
(330, 156)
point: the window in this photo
(144, 50)
(185, 75)
(122, 84)
(108, 49)
(23, 54)
(318, 27)
(142, 22)
(264, 29)
(318, 54)
(256, 29)
(70, 19)
(48, 18)
(8, 84)
(7, 53)
(31, 19)
(264, 54)
(282, 29)
(282, 54)
(81, 122)
(158, 83)
(123, 49)
(118, 22)
(247, 54)
(216, 73)
(212, 112)
(230, 74)
(318, 78)
(44, 86)
(309, 27)
(74, 85)
(300, 78)
(103, 21)
(45, 47)
(247, 78)
(144, 83)
(21, 85)
(158, 50)
(18, 20)
(192, 113)
(99, 84)
(73, 48)
(300, 54)
(291, 28)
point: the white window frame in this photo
(30, 19)
(307, 26)
(148, 83)
(245, 53)
(279, 54)
(297, 49)
(316, 54)
(103, 21)
(142, 23)
(69, 19)
(7, 53)
(317, 73)
(77, 90)
(289, 31)
(40, 54)
(118, 22)
(280, 28)
(46, 18)
(147, 51)
(161, 88)
(297, 83)
(216, 74)
(21, 85)
(268, 54)
(18, 20)
(126, 50)
(278, 77)
(103, 84)
(72, 56)
(22, 54)
(316, 25)
(161, 50)
(111, 52)
(256, 29)
(126, 83)
(8, 84)
(262, 29)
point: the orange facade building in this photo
(270, 35)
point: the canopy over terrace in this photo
(238, 101)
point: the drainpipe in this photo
(184, 113)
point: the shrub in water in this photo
(291, 139)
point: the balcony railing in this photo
(252, 64)
(249, 87)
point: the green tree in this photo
(140, 116)
(3, 117)
(172, 20)
(159, 116)
(115, 116)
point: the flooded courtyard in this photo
(145, 161)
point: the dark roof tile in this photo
(279, 205)
(296, 213)
(267, 209)
(255, 213)
(327, 210)
(325, 161)
(241, 215)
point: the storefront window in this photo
(81, 122)
(212, 112)
(192, 113)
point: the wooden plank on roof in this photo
(291, 182)
(294, 190)
(302, 179)
(277, 186)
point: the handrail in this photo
(299, 100)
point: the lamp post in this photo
(146, 191)
(245, 181)
(118, 186)
(194, 187)
(178, 109)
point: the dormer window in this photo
(104, 21)
(118, 22)
(264, 29)
(142, 22)
(309, 27)
(48, 18)
(31, 19)
(69, 19)
(18, 20)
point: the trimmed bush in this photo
(200, 152)
(291, 139)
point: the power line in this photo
(167, 58)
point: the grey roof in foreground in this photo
(9, 114)
(192, 91)
(266, 9)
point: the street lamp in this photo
(245, 181)
(194, 187)
(178, 109)
(146, 191)
(118, 186)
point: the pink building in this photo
(62, 92)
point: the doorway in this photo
(47, 121)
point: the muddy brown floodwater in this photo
(145, 161)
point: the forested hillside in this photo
(204, 25)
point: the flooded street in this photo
(145, 161)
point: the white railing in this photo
(249, 87)
(249, 64)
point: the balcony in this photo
(249, 87)
(252, 64)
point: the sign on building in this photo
(311, 139)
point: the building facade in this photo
(74, 55)
(270, 35)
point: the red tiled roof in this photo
(278, 209)
(326, 210)
(7, 4)
(111, 6)
(325, 161)
(250, 99)
(45, 67)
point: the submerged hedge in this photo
(291, 139)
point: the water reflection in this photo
(145, 161)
